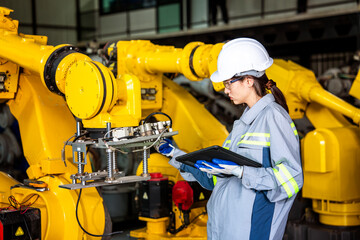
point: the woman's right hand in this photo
(165, 147)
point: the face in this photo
(239, 91)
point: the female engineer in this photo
(252, 203)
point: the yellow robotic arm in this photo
(37, 77)
(45, 124)
(330, 152)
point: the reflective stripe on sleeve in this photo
(283, 183)
(289, 177)
(227, 142)
(214, 180)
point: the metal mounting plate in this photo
(132, 142)
(121, 180)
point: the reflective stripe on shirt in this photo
(261, 139)
(214, 180)
(294, 128)
(227, 144)
(288, 178)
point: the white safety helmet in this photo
(239, 57)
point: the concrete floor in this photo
(126, 227)
(123, 236)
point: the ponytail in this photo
(263, 84)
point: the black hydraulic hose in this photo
(94, 235)
(152, 114)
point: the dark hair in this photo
(263, 83)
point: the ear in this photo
(249, 81)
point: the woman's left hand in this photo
(208, 167)
(220, 167)
(229, 167)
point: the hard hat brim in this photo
(215, 77)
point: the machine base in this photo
(306, 231)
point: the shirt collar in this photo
(251, 113)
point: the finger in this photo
(206, 170)
(200, 161)
(201, 166)
(221, 161)
(212, 165)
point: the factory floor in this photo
(126, 227)
(123, 236)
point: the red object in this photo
(182, 195)
(157, 176)
(1, 232)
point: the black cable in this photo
(172, 218)
(27, 228)
(152, 114)
(174, 231)
(81, 135)
(197, 217)
(179, 229)
(94, 235)
(31, 196)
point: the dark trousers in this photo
(213, 4)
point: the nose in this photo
(226, 91)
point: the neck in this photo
(254, 98)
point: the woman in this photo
(252, 203)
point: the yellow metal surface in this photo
(197, 127)
(355, 87)
(214, 52)
(322, 117)
(57, 207)
(300, 87)
(66, 63)
(21, 49)
(337, 214)
(331, 178)
(148, 62)
(41, 116)
(156, 226)
(291, 78)
(7, 23)
(330, 160)
(88, 91)
(45, 123)
(11, 70)
(145, 59)
(127, 108)
(186, 57)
